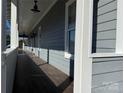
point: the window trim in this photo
(119, 35)
(66, 53)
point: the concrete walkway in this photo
(33, 75)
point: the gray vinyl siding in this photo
(43, 54)
(52, 39)
(107, 75)
(104, 29)
(57, 59)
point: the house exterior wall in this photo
(107, 75)
(51, 46)
(104, 28)
(107, 72)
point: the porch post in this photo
(83, 63)
(14, 26)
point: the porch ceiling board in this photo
(27, 19)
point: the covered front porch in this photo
(62, 46)
(33, 75)
(35, 62)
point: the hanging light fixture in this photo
(35, 8)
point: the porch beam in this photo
(83, 63)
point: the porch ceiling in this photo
(27, 19)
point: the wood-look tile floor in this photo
(33, 75)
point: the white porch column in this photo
(3, 4)
(23, 46)
(14, 26)
(83, 63)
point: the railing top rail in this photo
(9, 51)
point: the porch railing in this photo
(9, 58)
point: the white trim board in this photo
(83, 63)
(47, 10)
(66, 53)
(90, 27)
(105, 55)
(119, 32)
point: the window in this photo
(8, 25)
(70, 18)
(106, 29)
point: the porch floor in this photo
(33, 75)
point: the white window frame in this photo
(67, 54)
(119, 33)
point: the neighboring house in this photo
(83, 39)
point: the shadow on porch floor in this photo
(33, 75)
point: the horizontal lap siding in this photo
(107, 17)
(106, 8)
(52, 38)
(43, 54)
(112, 88)
(107, 75)
(57, 59)
(106, 25)
(104, 35)
(51, 42)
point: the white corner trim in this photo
(83, 63)
(119, 32)
(47, 10)
(90, 26)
